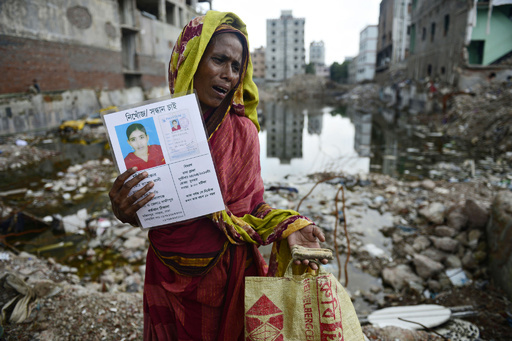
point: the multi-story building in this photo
(317, 52)
(317, 58)
(460, 43)
(367, 53)
(285, 53)
(393, 36)
(258, 62)
(98, 44)
(352, 69)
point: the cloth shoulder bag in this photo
(299, 307)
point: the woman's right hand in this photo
(125, 206)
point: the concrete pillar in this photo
(162, 15)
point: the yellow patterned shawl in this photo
(235, 147)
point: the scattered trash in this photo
(457, 276)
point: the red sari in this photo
(194, 283)
(155, 158)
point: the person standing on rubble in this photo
(194, 283)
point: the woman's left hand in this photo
(309, 236)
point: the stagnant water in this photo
(295, 140)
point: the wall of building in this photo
(385, 34)
(400, 36)
(96, 44)
(498, 42)
(437, 55)
(56, 66)
(317, 52)
(40, 112)
(61, 44)
(87, 22)
(258, 62)
(367, 53)
(285, 52)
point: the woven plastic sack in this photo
(312, 307)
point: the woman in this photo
(144, 155)
(175, 125)
(194, 284)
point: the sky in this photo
(337, 23)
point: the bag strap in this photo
(321, 271)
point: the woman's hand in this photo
(308, 236)
(123, 205)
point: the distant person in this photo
(491, 77)
(144, 155)
(175, 125)
(34, 88)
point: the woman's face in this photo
(219, 70)
(138, 141)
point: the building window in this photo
(424, 34)
(443, 70)
(412, 43)
(476, 51)
(446, 24)
(432, 31)
(429, 70)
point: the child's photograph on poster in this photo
(140, 144)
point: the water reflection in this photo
(301, 139)
(401, 147)
(68, 152)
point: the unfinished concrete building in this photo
(95, 44)
(258, 62)
(460, 43)
(285, 54)
(367, 53)
(393, 40)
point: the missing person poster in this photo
(167, 139)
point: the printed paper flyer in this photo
(167, 139)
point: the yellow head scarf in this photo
(189, 50)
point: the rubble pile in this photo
(436, 244)
(74, 184)
(18, 153)
(439, 233)
(49, 302)
(363, 96)
(484, 118)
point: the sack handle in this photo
(310, 272)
